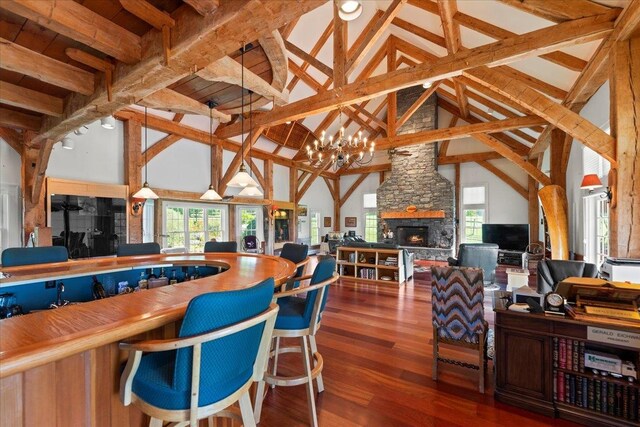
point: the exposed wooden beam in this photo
(216, 166)
(559, 141)
(444, 145)
(340, 46)
(505, 178)
(420, 31)
(468, 158)
(239, 158)
(170, 100)
(381, 167)
(417, 104)
(229, 70)
(559, 10)
(12, 118)
(286, 30)
(13, 138)
(458, 132)
(268, 179)
(316, 63)
(148, 13)
(371, 116)
(259, 177)
(326, 163)
(392, 96)
(556, 114)
(94, 62)
(353, 188)
(160, 146)
(29, 99)
(197, 44)
(506, 152)
(81, 24)
(534, 210)
(204, 7)
(504, 51)
(25, 61)
(354, 117)
(314, 52)
(41, 169)
(374, 34)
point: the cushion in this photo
(291, 314)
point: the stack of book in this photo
(603, 394)
(367, 273)
(391, 261)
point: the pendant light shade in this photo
(210, 194)
(145, 193)
(242, 179)
(108, 122)
(348, 10)
(251, 191)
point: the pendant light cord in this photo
(250, 132)
(146, 129)
(242, 97)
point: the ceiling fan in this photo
(395, 152)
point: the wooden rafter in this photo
(340, 46)
(326, 163)
(204, 7)
(239, 158)
(556, 114)
(80, 23)
(524, 192)
(444, 145)
(96, 63)
(40, 169)
(259, 177)
(467, 158)
(381, 167)
(17, 119)
(373, 35)
(311, 60)
(155, 17)
(170, 100)
(29, 99)
(196, 45)
(328, 31)
(13, 138)
(417, 104)
(504, 51)
(558, 10)
(353, 188)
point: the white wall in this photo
(317, 199)
(354, 205)
(10, 197)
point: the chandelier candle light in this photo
(344, 150)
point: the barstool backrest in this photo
(221, 247)
(313, 309)
(295, 253)
(132, 249)
(13, 257)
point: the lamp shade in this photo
(210, 194)
(108, 122)
(145, 193)
(590, 182)
(251, 191)
(349, 10)
(242, 179)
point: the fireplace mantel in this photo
(412, 215)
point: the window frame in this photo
(186, 206)
(374, 228)
(314, 216)
(473, 206)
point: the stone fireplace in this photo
(414, 180)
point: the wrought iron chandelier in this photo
(343, 151)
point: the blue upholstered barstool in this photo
(13, 257)
(222, 348)
(300, 318)
(131, 249)
(297, 254)
(221, 247)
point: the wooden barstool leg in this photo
(275, 359)
(314, 350)
(154, 422)
(245, 409)
(310, 393)
(258, 401)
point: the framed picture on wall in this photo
(350, 221)
(302, 210)
(327, 221)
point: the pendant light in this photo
(251, 190)
(145, 192)
(242, 179)
(211, 193)
(108, 122)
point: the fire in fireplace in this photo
(413, 236)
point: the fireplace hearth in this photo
(413, 236)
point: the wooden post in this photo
(34, 212)
(392, 104)
(339, 49)
(458, 206)
(216, 166)
(293, 191)
(534, 212)
(558, 170)
(132, 173)
(268, 178)
(624, 225)
(336, 205)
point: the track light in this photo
(67, 143)
(82, 130)
(348, 10)
(427, 84)
(108, 122)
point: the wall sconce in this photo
(591, 182)
(136, 206)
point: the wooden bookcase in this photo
(371, 265)
(528, 367)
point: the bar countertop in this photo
(38, 338)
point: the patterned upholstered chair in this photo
(300, 318)
(457, 298)
(221, 350)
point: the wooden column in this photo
(132, 173)
(34, 212)
(458, 206)
(293, 191)
(625, 107)
(339, 49)
(534, 211)
(216, 166)
(392, 104)
(558, 169)
(268, 179)
(336, 205)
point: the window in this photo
(602, 230)
(315, 228)
(371, 226)
(596, 229)
(248, 222)
(191, 225)
(147, 221)
(474, 213)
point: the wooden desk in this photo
(524, 363)
(62, 367)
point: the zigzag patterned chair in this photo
(457, 296)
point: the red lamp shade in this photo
(590, 182)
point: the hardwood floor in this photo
(376, 345)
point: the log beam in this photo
(29, 99)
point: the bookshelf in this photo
(371, 265)
(540, 366)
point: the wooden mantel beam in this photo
(529, 44)
(196, 42)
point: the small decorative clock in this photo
(554, 303)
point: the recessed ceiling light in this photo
(349, 10)
(108, 122)
(427, 84)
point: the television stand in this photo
(513, 258)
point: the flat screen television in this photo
(511, 237)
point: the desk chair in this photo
(222, 348)
(457, 309)
(13, 257)
(131, 249)
(553, 271)
(297, 254)
(300, 318)
(221, 247)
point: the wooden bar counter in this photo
(62, 367)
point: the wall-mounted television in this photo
(510, 237)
